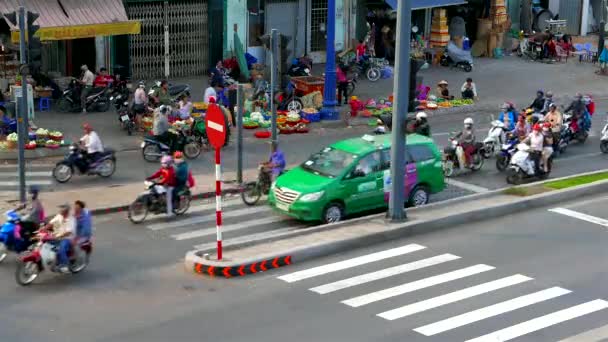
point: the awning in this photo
(421, 4)
(73, 19)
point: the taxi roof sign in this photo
(368, 138)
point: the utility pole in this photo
(274, 56)
(329, 111)
(239, 133)
(400, 107)
(22, 113)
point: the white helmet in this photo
(164, 109)
(421, 115)
(468, 121)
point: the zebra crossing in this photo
(240, 222)
(35, 174)
(444, 295)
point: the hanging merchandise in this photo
(440, 35)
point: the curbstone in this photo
(242, 269)
(35, 154)
(194, 261)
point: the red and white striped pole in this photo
(218, 202)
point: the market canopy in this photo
(420, 4)
(74, 19)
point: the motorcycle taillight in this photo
(280, 98)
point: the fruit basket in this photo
(56, 136)
(311, 114)
(31, 145)
(262, 134)
(11, 141)
(250, 125)
(42, 134)
(301, 128)
(52, 144)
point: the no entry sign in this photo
(215, 122)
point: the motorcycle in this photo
(298, 69)
(8, 236)
(152, 149)
(175, 90)
(43, 255)
(104, 166)
(253, 191)
(569, 135)
(97, 100)
(451, 162)
(604, 139)
(153, 201)
(503, 159)
(126, 116)
(456, 57)
(495, 138)
(288, 100)
(371, 68)
(522, 166)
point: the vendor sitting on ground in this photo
(469, 89)
(442, 90)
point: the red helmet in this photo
(178, 155)
(87, 127)
(547, 125)
(536, 127)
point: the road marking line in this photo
(580, 216)
(453, 297)
(207, 218)
(416, 285)
(345, 264)
(29, 182)
(542, 322)
(471, 187)
(385, 273)
(226, 228)
(595, 335)
(27, 174)
(490, 311)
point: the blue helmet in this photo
(34, 190)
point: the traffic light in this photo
(415, 66)
(34, 55)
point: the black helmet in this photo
(34, 190)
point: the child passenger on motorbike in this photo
(466, 140)
(166, 178)
(522, 129)
(547, 146)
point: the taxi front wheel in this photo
(333, 213)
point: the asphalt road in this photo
(508, 271)
(132, 168)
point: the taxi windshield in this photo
(329, 162)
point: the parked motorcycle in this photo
(76, 160)
(456, 57)
(8, 241)
(297, 69)
(503, 159)
(153, 200)
(43, 256)
(97, 100)
(152, 149)
(288, 100)
(175, 90)
(371, 68)
(522, 166)
(451, 162)
(495, 138)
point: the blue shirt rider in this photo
(508, 112)
(84, 222)
(276, 162)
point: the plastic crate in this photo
(332, 116)
(312, 117)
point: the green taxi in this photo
(353, 176)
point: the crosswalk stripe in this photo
(580, 216)
(227, 228)
(27, 174)
(542, 322)
(453, 297)
(416, 285)
(29, 182)
(491, 311)
(385, 273)
(349, 263)
(207, 218)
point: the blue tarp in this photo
(419, 4)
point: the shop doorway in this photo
(82, 51)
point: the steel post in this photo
(239, 133)
(274, 41)
(22, 113)
(400, 106)
(329, 110)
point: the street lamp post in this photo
(400, 107)
(329, 111)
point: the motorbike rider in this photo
(162, 96)
(547, 146)
(92, 143)
(536, 141)
(539, 102)
(466, 139)
(522, 129)
(183, 174)
(421, 125)
(578, 108)
(140, 99)
(166, 178)
(63, 226)
(84, 223)
(276, 162)
(548, 102)
(33, 217)
(507, 116)
(160, 126)
(555, 119)
(103, 80)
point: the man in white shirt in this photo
(92, 143)
(87, 85)
(63, 226)
(469, 89)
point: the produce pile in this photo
(287, 123)
(38, 139)
(382, 106)
(433, 103)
